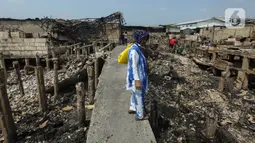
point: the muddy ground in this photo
(189, 104)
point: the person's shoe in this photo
(131, 112)
(144, 118)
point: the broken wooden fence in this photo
(210, 56)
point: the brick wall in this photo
(225, 33)
(23, 47)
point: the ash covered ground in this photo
(57, 125)
(189, 106)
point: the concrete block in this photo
(28, 48)
(14, 48)
(15, 34)
(3, 45)
(40, 40)
(6, 52)
(35, 52)
(40, 44)
(15, 53)
(245, 32)
(12, 45)
(21, 44)
(29, 40)
(42, 48)
(18, 40)
(45, 52)
(29, 44)
(26, 53)
(4, 35)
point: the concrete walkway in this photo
(110, 122)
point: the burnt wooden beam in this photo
(56, 88)
(7, 121)
(80, 91)
(41, 89)
(17, 71)
(91, 85)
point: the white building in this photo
(201, 23)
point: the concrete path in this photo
(110, 122)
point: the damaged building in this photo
(28, 37)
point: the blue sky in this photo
(136, 12)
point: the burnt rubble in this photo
(35, 126)
(191, 109)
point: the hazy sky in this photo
(136, 12)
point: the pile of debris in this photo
(59, 124)
(190, 107)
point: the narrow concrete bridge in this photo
(110, 121)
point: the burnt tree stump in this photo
(17, 71)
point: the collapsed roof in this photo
(83, 30)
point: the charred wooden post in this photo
(245, 67)
(242, 77)
(70, 51)
(154, 117)
(26, 68)
(7, 122)
(85, 52)
(75, 50)
(91, 85)
(96, 71)
(56, 88)
(211, 125)
(66, 53)
(189, 66)
(78, 56)
(214, 57)
(224, 76)
(37, 58)
(41, 89)
(80, 90)
(53, 53)
(47, 59)
(95, 48)
(3, 127)
(88, 51)
(17, 71)
(2, 64)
